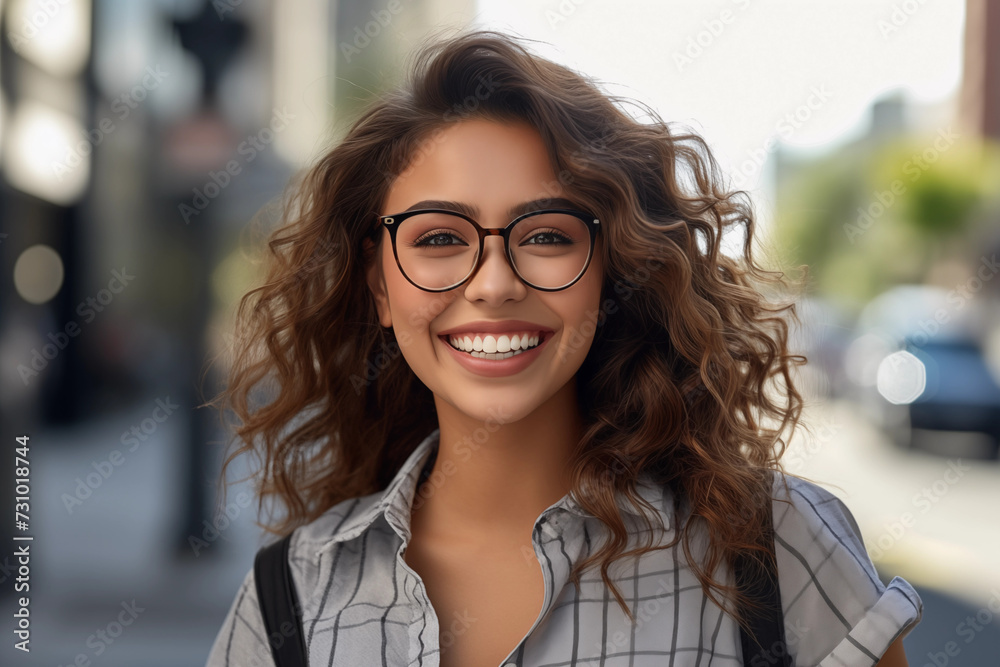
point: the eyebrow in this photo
(513, 212)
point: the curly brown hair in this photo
(676, 382)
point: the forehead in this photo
(488, 164)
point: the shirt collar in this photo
(394, 503)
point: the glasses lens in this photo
(438, 250)
(550, 249)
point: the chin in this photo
(497, 407)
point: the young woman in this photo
(513, 395)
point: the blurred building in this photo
(979, 113)
(980, 95)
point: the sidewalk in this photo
(110, 557)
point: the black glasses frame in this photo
(392, 223)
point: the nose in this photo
(494, 280)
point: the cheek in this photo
(405, 300)
(415, 308)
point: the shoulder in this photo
(807, 514)
(242, 638)
(315, 549)
(837, 610)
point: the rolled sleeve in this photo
(837, 610)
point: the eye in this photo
(559, 238)
(437, 238)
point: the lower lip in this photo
(497, 367)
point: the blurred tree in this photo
(873, 215)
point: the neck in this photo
(491, 478)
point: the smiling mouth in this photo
(476, 345)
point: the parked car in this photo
(959, 392)
(919, 365)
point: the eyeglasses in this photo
(438, 250)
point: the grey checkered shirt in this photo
(362, 605)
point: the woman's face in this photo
(493, 167)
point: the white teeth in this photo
(494, 347)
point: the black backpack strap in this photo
(767, 624)
(279, 604)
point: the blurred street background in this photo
(144, 148)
